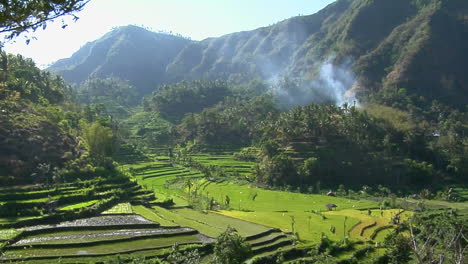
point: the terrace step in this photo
(107, 238)
(164, 174)
(158, 251)
(93, 223)
(266, 240)
(285, 241)
(270, 255)
(153, 166)
(262, 234)
(157, 170)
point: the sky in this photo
(197, 19)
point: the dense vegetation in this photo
(44, 135)
(406, 144)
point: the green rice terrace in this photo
(188, 201)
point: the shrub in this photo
(231, 248)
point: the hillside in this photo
(417, 45)
(130, 52)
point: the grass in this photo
(121, 208)
(78, 205)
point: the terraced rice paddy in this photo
(370, 224)
(99, 250)
(119, 234)
(255, 210)
(29, 228)
(141, 227)
(226, 162)
(170, 181)
(97, 236)
(98, 221)
(275, 209)
(58, 238)
(112, 258)
(157, 175)
(309, 226)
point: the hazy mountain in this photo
(131, 53)
(412, 44)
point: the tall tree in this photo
(231, 248)
(100, 141)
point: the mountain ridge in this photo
(390, 44)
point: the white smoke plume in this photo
(332, 84)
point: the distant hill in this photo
(131, 53)
(412, 44)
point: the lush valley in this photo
(319, 139)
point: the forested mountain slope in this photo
(44, 136)
(417, 45)
(130, 53)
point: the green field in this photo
(246, 197)
(151, 215)
(208, 223)
(221, 222)
(308, 225)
